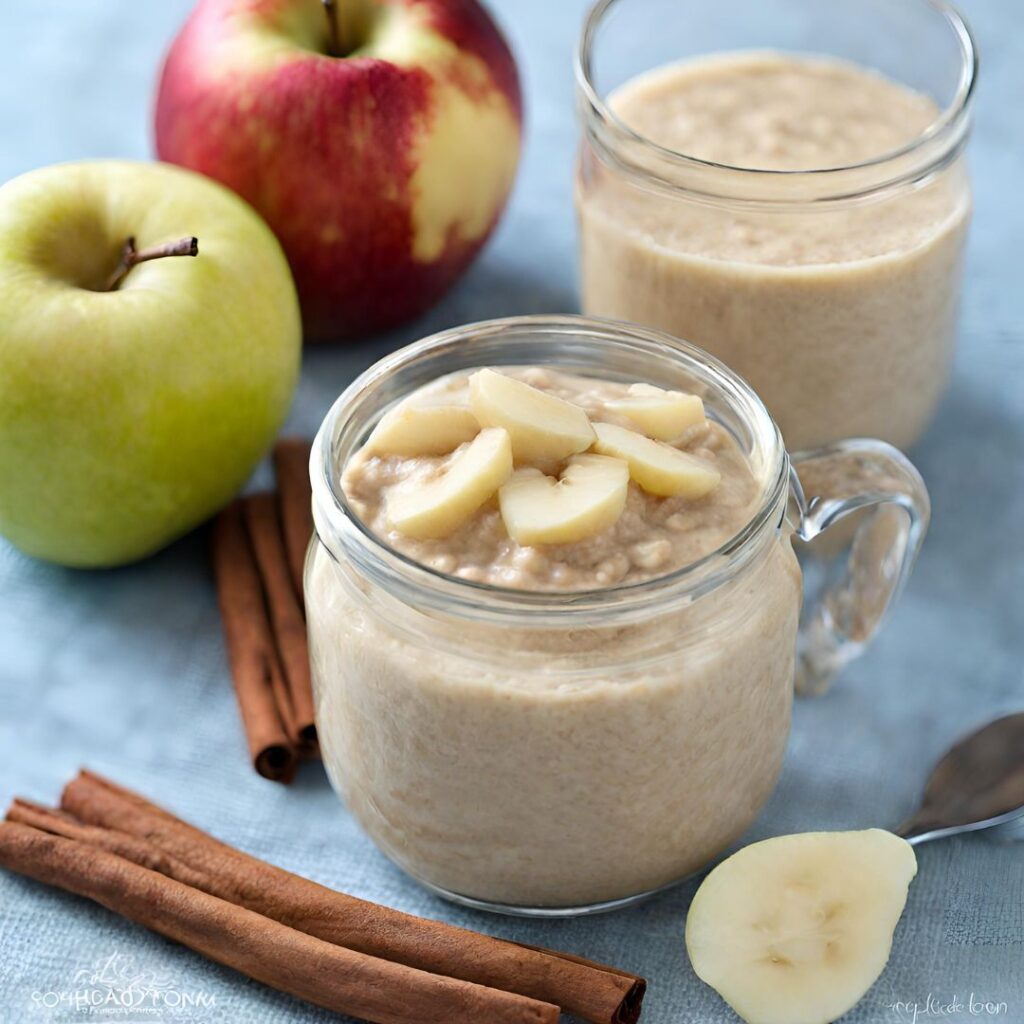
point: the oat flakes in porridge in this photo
(647, 484)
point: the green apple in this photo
(135, 397)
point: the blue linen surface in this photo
(125, 671)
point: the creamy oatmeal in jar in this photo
(801, 217)
(652, 536)
(553, 609)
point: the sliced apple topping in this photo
(543, 427)
(658, 468)
(440, 507)
(588, 498)
(663, 415)
(796, 929)
(423, 430)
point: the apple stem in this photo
(337, 41)
(130, 256)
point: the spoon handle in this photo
(919, 829)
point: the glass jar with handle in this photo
(560, 752)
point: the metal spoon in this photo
(978, 785)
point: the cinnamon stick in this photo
(292, 961)
(139, 851)
(594, 992)
(286, 618)
(291, 464)
(263, 697)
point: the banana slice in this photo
(543, 428)
(663, 415)
(423, 430)
(438, 508)
(588, 498)
(658, 468)
(794, 930)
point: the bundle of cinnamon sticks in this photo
(258, 550)
(115, 847)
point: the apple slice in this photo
(588, 498)
(658, 468)
(423, 430)
(543, 428)
(441, 506)
(796, 929)
(663, 415)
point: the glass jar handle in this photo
(842, 615)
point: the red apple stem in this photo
(338, 43)
(130, 257)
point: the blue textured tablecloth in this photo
(125, 671)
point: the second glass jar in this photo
(833, 291)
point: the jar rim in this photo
(936, 147)
(338, 525)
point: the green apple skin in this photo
(128, 417)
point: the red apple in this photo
(382, 170)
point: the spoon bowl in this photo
(978, 784)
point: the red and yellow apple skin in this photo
(382, 172)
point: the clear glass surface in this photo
(834, 292)
(563, 753)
